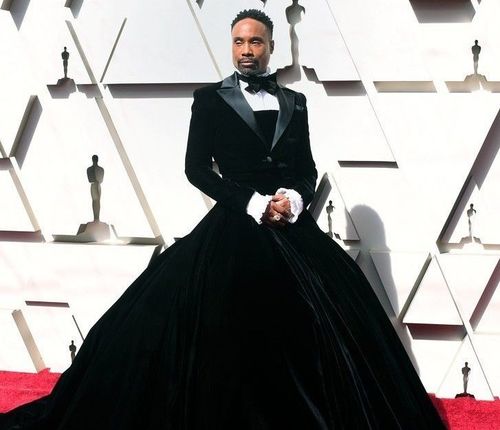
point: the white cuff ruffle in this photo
(257, 205)
(296, 202)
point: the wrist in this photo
(257, 206)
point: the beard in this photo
(253, 70)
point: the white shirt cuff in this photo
(296, 202)
(257, 206)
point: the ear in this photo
(271, 44)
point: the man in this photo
(257, 132)
(226, 114)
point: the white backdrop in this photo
(402, 144)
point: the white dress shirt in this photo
(261, 100)
(258, 202)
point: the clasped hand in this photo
(278, 211)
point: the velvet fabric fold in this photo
(240, 326)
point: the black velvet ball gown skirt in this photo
(244, 327)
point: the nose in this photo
(246, 49)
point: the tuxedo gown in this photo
(239, 325)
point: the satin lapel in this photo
(231, 93)
(287, 104)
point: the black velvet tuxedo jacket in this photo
(223, 126)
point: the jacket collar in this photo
(231, 93)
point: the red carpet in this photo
(459, 414)
(18, 388)
(467, 414)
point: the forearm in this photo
(198, 161)
(222, 190)
(306, 187)
(306, 173)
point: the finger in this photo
(275, 214)
(277, 218)
(282, 204)
(284, 201)
(283, 211)
(272, 217)
(279, 208)
(271, 223)
(278, 197)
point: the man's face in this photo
(252, 46)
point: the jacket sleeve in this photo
(198, 161)
(307, 174)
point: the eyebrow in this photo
(261, 39)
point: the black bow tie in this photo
(256, 83)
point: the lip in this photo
(247, 63)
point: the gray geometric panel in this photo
(405, 86)
(436, 140)
(27, 127)
(382, 37)
(15, 69)
(352, 127)
(317, 25)
(60, 190)
(15, 273)
(488, 36)
(452, 383)
(353, 253)
(13, 216)
(428, 11)
(5, 4)
(337, 215)
(14, 355)
(75, 6)
(480, 188)
(433, 358)
(432, 303)
(99, 35)
(88, 278)
(448, 48)
(489, 306)
(468, 276)
(376, 214)
(398, 272)
(154, 48)
(17, 10)
(489, 208)
(156, 130)
(46, 33)
(54, 329)
(464, 224)
(488, 347)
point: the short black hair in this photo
(256, 14)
